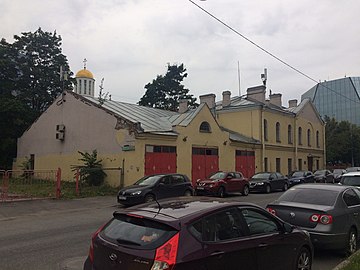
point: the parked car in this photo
(222, 183)
(157, 186)
(330, 213)
(353, 169)
(350, 179)
(301, 177)
(324, 176)
(268, 181)
(337, 174)
(198, 233)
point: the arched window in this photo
(300, 136)
(309, 137)
(205, 127)
(290, 141)
(317, 139)
(265, 130)
(277, 131)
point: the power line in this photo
(269, 53)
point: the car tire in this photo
(351, 245)
(304, 260)
(246, 190)
(221, 192)
(188, 193)
(268, 189)
(285, 187)
(149, 198)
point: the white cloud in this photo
(129, 42)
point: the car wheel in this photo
(188, 193)
(245, 190)
(285, 187)
(352, 242)
(303, 261)
(149, 198)
(221, 192)
(267, 189)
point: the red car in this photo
(222, 183)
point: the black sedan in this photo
(268, 181)
(324, 176)
(198, 233)
(301, 177)
(330, 213)
(155, 187)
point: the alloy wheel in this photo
(304, 260)
(352, 245)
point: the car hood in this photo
(258, 180)
(133, 188)
(297, 178)
(209, 181)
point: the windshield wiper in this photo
(127, 242)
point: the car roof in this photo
(351, 174)
(173, 209)
(338, 188)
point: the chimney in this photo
(292, 103)
(256, 93)
(226, 98)
(183, 105)
(275, 99)
(209, 99)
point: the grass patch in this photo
(37, 188)
(354, 262)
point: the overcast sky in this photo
(130, 42)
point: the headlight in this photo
(260, 183)
(136, 193)
(211, 185)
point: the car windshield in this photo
(137, 232)
(148, 180)
(310, 196)
(351, 180)
(261, 176)
(218, 175)
(297, 174)
(319, 173)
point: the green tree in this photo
(91, 172)
(165, 91)
(29, 83)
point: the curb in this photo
(346, 261)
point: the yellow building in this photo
(248, 134)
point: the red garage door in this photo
(160, 159)
(245, 162)
(204, 162)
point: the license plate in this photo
(200, 188)
(122, 198)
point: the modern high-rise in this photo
(339, 99)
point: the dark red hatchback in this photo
(198, 233)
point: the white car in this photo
(350, 179)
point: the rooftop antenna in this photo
(239, 79)
(264, 77)
(85, 61)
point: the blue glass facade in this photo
(337, 98)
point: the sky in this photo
(130, 42)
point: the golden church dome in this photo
(84, 73)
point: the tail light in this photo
(165, 257)
(91, 249)
(271, 211)
(323, 219)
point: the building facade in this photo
(339, 99)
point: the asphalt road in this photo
(51, 234)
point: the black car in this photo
(330, 213)
(268, 181)
(337, 174)
(157, 186)
(324, 176)
(301, 177)
(198, 233)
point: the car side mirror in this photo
(161, 184)
(288, 228)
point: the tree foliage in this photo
(91, 172)
(29, 83)
(165, 91)
(342, 142)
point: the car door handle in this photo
(218, 253)
(262, 245)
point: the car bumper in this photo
(130, 200)
(328, 241)
(205, 191)
(258, 187)
(88, 264)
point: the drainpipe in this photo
(262, 140)
(296, 133)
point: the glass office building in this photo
(339, 99)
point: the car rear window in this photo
(310, 196)
(351, 180)
(137, 232)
